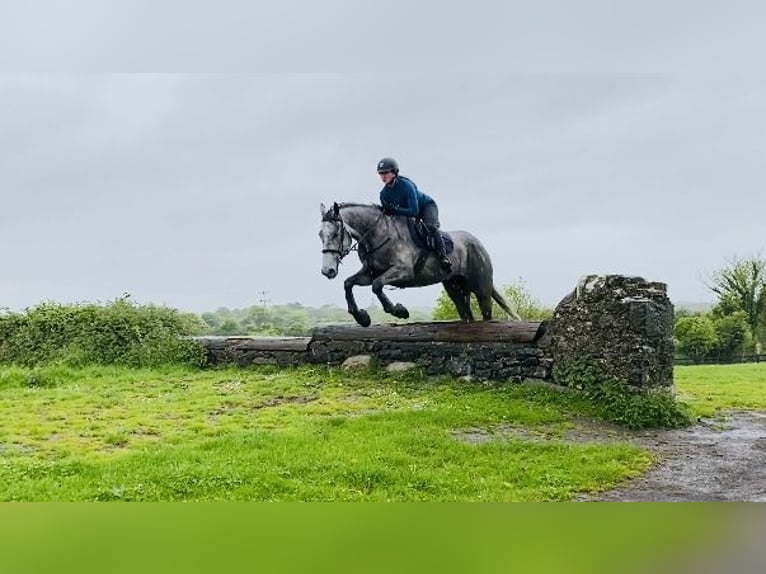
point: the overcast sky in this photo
(199, 191)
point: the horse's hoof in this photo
(363, 318)
(400, 311)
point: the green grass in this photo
(711, 388)
(177, 433)
(108, 433)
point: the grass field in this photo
(710, 388)
(105, 433)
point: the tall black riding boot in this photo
(441, 251)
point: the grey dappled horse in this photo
(390, 257)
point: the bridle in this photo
(340, 251)
(354, 246)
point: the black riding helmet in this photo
(388, 164)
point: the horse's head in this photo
(336, 240)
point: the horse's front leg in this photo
(361, 277)
(393, 275)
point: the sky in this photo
(203, 190)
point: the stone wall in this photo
(485, 360)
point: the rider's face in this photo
(387, 176)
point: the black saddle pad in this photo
(420, 236)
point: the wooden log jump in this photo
(445, 332)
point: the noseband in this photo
(340, 251)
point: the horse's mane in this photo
(352, 204)
(329, 217)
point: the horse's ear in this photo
(322, 208)
(336, 208)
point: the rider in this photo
(400, 196)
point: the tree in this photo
(742, 287)
(211, 320)
(517, 296)
(696, 336)
(525, 304)
(732, 335)
(229, 327)
(679, 313)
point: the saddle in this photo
(423, 239)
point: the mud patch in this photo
(17, 449)
(476, 435)
(144, 432)
(228, 387)
(282, 400)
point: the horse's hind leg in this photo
(460, 297)
(463, 284)
(485, 304)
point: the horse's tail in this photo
(503, 305)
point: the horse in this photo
(389, 256)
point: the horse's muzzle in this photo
(329, 273)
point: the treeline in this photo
(736, 325)
(292, 319)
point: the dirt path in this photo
(716, 460)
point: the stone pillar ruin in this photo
(624, 324)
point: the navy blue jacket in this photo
(404, 197)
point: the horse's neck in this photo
(362, 219)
